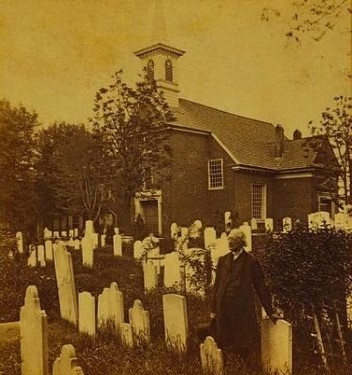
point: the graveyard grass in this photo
(103, 354)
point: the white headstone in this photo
(56, 234)
(34, 335)
(211, 357)
(276, 343)
(209, 237)
(184, 231)
(87, 251)
(150, 276)
(89, 228)
(117, 245)
(86, 313)
(175, 322)
(75, 232)
(286, 224)
(77, 244)
(126, 335)
(64, 233)
(41, 253)
(318, 220)
(174, 230)
(254, 224)
(227, 217)
(66, 363)
(172, 273)
(49, 255)
(71, 233)
(103, 240)
(269, 225)
(137, 249)
(47, 234)
(341, 221)
(117, 230)
(139, 320)
(19, 239)
(66, 284)
(247, 230)
(32, 258)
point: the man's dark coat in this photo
(249, 279)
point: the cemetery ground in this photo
(103, 354)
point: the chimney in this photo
(297, 134)
(279, 140)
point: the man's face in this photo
(235, 243)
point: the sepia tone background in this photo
(56, 54)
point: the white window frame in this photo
(263, 201)
(210, 174)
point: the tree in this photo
(74, 174)
(18, 197)
(315, 17)
(131, 123)
(336, 123)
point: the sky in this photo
(55, 54)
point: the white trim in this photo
(294, 175)
(222, 174)
(264, 201)
(142, 196)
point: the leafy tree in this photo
(74, 177)
(315, 17)
(131, 123)
(336, 123)
(18, 197)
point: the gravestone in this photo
(117, 245)
(117, 230)
(56, 234)
(66, 363)
(41, 253)
(227, 217)
(86, 313)
(19, 239)
(47, 234)
(247, 230)
(209, 237)
(150, 276)
(89, 228)
(34, 335)
(126, 335)
(87, 251)
(63, 233)
(95, 240)
(184, 231)
(75, 232)
(66, 284)
(140, 323)
(211, 357)
(32, 258)
(71, 233)
(175, 322)
(286, 224)
(110, 306)
(137, 249)
(221, 248)
(174, 230)
(49, 250)
(172, 272)
(276, 343)
(269, 225)
(341, 221)
(103, 240)
(77, 244)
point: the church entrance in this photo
(150, 213)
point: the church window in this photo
(215, 174)
(259, 201)
(168, 71)
(150, 69)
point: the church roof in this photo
(251, 143)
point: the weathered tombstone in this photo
(172, 274)
(174, 230)
(341, 221)
(34, 335)
(126, 335)
(75, 232)
(137, 249)
(77, 244)
(269, 225)
(150, 275)
(227, 217)
(87, 251)
(56, 234)
(209, 237)
(86, 313)
(276, 343)
(63, 233)
(71, 233)
(66, 284)
(95, 240)
(247, 230)
(32, 258)
(66, 363)
(47, 234)
(19, 239)
(41, 253)
(49, 250)
(175, 322)
(117, 230)
(139, 320)
(103, 240)
(286, 224)
(103, 307)
(318, 220)
(89, 228)
(211, 357)
(117, 245)
(184, 231)
(254, 224)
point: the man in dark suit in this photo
(238, 277)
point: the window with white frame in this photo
(215, 174)
(258, 201)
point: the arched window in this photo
(168, 70)
(150, 69)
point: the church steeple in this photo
(160, 58)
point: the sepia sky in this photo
(55, 54)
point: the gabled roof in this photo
(250, 142)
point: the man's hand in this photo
(275, 317)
